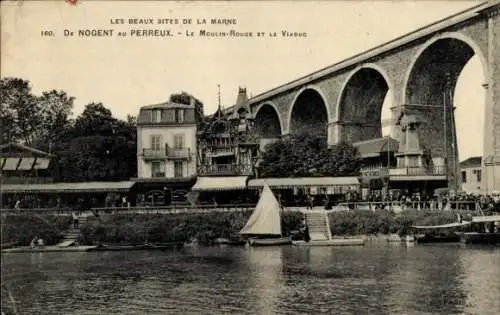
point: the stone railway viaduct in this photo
(419, 70)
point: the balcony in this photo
(177, 154)
(374, 171)
(156, 153)
(379, 171)
(225, 170)
(418, 171)
(158, 174)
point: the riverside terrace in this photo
(396, 206)
(120, 196)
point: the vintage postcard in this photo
(250, 157)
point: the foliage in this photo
(308, 154)
(108, 154)
(22, 228)
(32, 119)
(162, 228)
(363, 222)
(94, 146)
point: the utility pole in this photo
(445, 129)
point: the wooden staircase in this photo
(71, 236)
(318, 225)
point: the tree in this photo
(20, 113)
(99, 147)
(95, 119)
(56, 110)
(308, 155)
(95, 146)
(185, 98)
(29, 119)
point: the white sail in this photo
(266, 218)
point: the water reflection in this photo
(481, 281)
(265, 279)
(280, 280)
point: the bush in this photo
(22, 228)
(358, 222)
(164, 228)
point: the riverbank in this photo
(209, 228)
(20, 229)
(205, 228)
(385, 222)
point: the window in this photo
(413, 162)
(155, 142)
(478, 175)
(179, 115)
(464, 177)
(179, 141)
(157, 115)
(157, 169)
(178, 169)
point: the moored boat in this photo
(444, 233)
(486, 230)
(264, 225)
(131, 247)
(332, 242)
(269, 241)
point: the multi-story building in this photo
(470, 171)
(166, 151)
(402, 164)
(228, 148)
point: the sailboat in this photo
(264, 225)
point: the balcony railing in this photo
(158, 174)
(154, 153)
(225, 169)
(418, 171)
(184, 153)
(404, 171)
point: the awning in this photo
(305, 181)
(486, 218)
(220, 183)
(85, 187)
(418, 178)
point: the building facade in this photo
(228, 144)
(228, 150)
(166, 151)
(401, 165)
(471, 175)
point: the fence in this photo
(344, 206)
(126, 210)
(401, 205)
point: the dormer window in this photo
(157, 115)
(179, 115)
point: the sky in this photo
(125, 73)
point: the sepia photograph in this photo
(250, 157)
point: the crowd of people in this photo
(458, 201)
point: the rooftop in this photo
(8, 147)
(166, 105)
(474, 161)
(378, 145)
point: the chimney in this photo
(191, 101)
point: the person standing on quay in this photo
(75, 220)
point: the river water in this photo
(384, 279)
